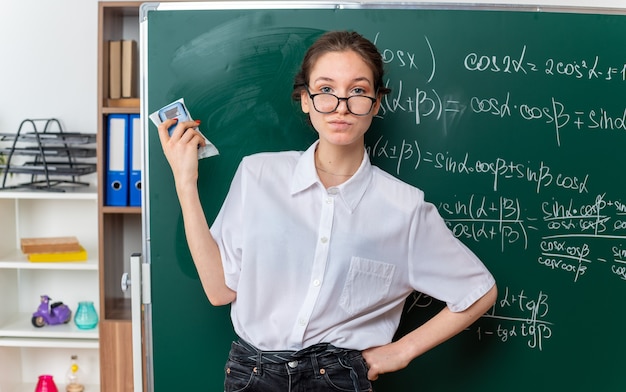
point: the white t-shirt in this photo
(335, 265)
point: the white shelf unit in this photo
(26, 351)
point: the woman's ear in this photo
(304, 101)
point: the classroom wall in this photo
(49, 67)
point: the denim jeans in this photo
(321, 369)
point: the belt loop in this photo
(259, 363)
(315, 365)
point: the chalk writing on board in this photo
(590, 69)
(540, 175)
(554, 113)
(578, 218)
(423, 101)
(576, 236)
(516, 315)
(579, 69)
(577, 233)
(521, 315)
(480, 218)
(562, 256)
(619, 259)
(408, 58)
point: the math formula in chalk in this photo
(422, 98)
(516, 316)
(578, 233)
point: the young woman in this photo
(316, 251)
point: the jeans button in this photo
(293, 364)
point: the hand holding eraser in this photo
(177, 109)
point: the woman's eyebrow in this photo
(329, 79)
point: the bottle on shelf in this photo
(46, 384)
(73, 376)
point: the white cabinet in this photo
(27, 351)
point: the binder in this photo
(116, 192)
(135, 160)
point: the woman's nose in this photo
(343, 106)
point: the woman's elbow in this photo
(220, 299)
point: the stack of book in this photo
(123, 73)
(50, 249)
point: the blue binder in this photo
(134, 144)
(116, 193)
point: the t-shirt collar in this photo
(351, 191)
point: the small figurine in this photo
(51, 314)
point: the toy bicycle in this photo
(51, 314)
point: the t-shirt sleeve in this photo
(226, 230)
(443, 267)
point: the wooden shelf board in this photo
(121, 210)
(120, 109)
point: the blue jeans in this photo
(321, 368)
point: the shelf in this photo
(120, 110)
(83, 193)
(20, 326)
(119, 309)
(17, 260)
(121, 210)
(48, 343)
(30, 387)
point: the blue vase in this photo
(86, 316)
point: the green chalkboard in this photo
(513, 122)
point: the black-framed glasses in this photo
(359, 105)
